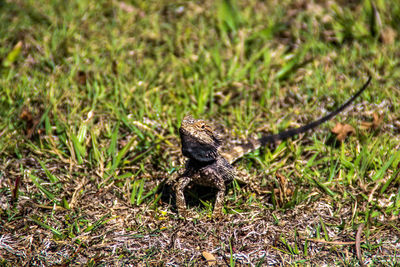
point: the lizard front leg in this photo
(219, 200)
(179, 189)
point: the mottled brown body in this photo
(215, 174)
(207, 166)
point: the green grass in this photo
(106, 84)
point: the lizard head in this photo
(199, 141)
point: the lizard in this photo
(207, 166)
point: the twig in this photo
(331, 242)
(358, 244)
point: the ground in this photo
(92, 95)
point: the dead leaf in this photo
(342, 131)
(376, 122)
(284, 193)
(211, 260)
(81, 77)
(114, 67)
(26, 115)
(388, 35)
(31, 122)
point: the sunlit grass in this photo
(105, 84)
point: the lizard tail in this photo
(238, 151)
(292, 132)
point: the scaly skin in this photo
(207, 167)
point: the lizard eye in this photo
(203, 126)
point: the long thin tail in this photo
(292, 132)
(238, 151)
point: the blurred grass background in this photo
(92, 94)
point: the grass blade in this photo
(122, 154)
(383, 170)
(35, 180)
(79, 150)
(228, 16)
(13, 55)
(390, 180)
(48, 227)
(51, 177)
(113, 145)
(139, 198)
